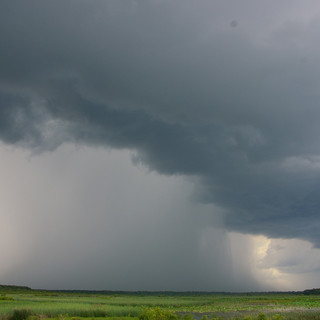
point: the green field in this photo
(20, 303)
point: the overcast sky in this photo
(160, 145)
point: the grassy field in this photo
(18, 303)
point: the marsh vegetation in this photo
(21, 303)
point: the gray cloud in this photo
(235, 106)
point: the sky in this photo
(160, 145)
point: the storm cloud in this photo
(224, 92)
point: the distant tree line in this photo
(16, 289)
(11, 288)
(311, 291)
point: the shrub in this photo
(187, 316)
(5, 297)
(157, 314)
(262, 316)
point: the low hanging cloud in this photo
(224, 92)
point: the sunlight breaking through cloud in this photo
(279, 264)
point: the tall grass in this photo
(20, 314)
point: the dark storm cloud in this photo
(235, 103)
